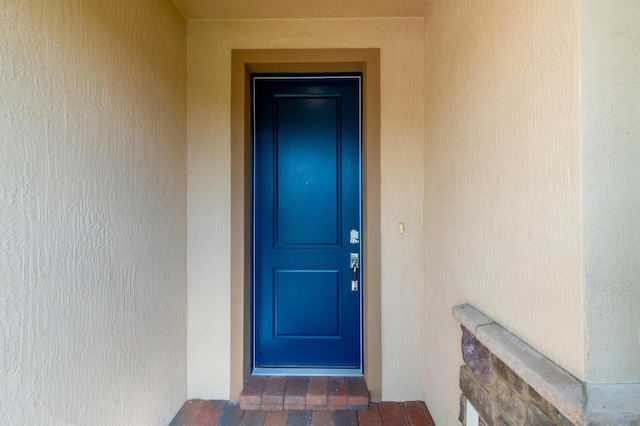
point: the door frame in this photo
(245, 62)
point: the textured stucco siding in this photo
(93, 304)
(610, 116)
(502, 206)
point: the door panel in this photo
(307, 161)
(309, 311)
(306, 199)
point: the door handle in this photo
(354, 261)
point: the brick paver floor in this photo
(199, 412)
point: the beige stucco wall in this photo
(209, 58)
(610, 113)
(92, 212)
(502, 205)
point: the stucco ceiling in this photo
(291, 9)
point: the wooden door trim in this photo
(245, 62)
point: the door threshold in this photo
(308, 372)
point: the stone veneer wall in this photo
(498, 394)
(510, 383)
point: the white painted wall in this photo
(92, 212)
(610, 113)
(210, 44)
(502, 204)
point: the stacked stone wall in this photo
(497, 393)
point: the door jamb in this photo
(245, 62)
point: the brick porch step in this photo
(198, 412)
(275, 393)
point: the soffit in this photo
(297, 9)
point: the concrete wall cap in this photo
(470, 317)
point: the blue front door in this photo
(307, 297)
